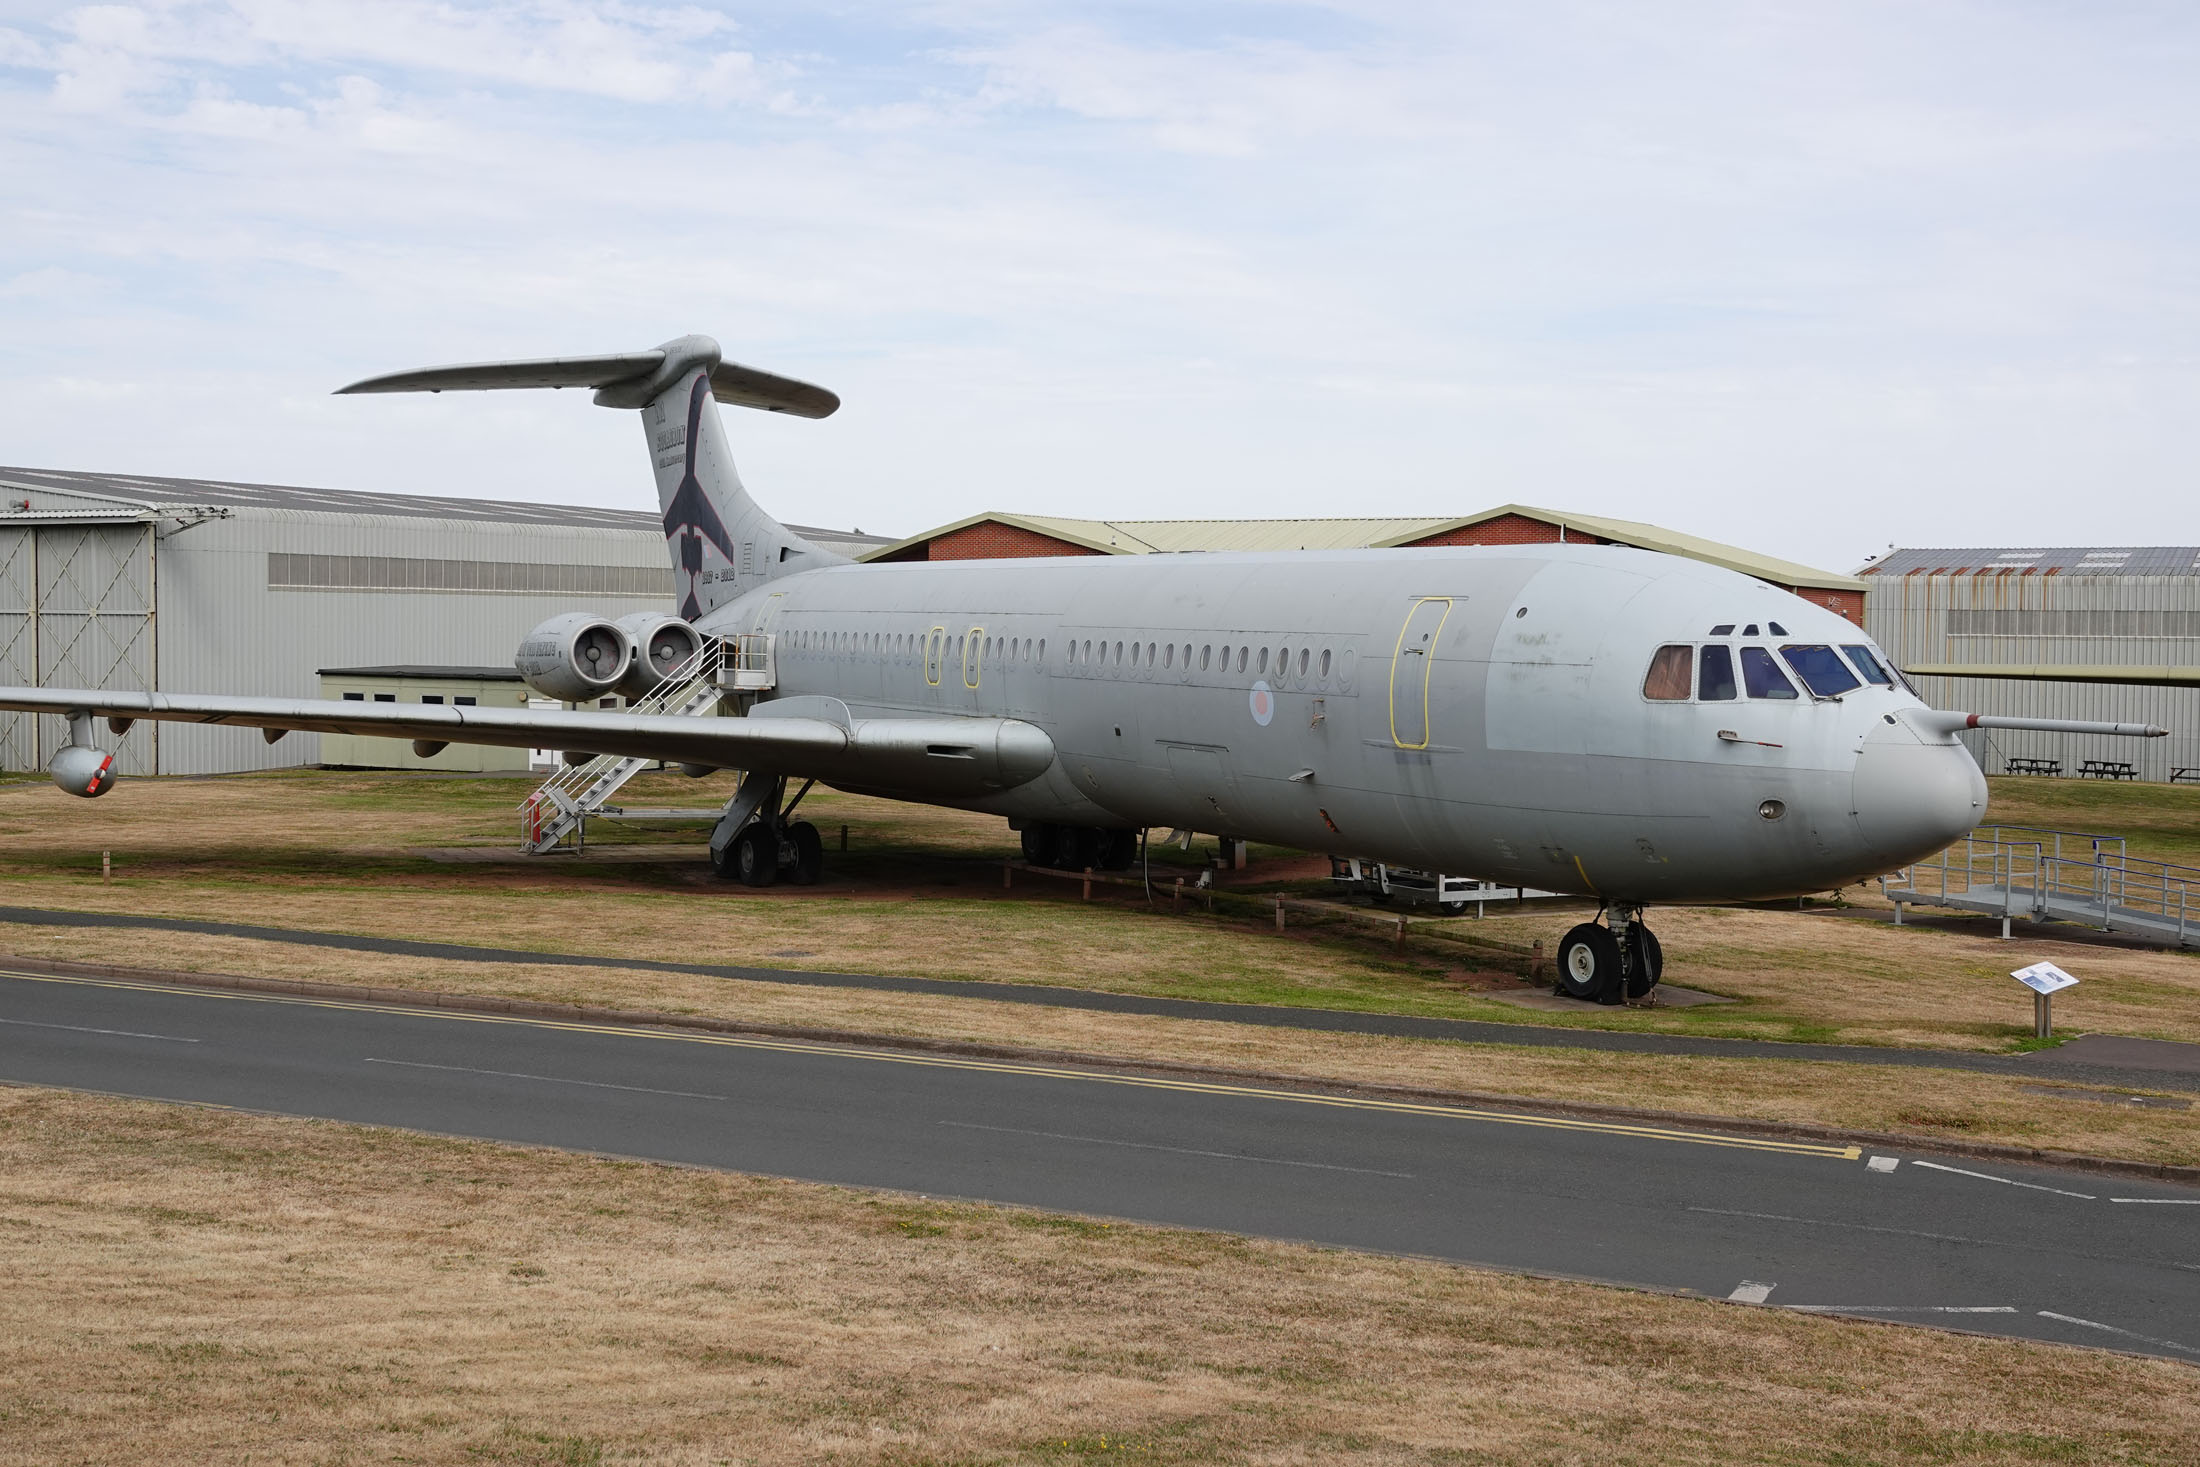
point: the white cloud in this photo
(1809, 278)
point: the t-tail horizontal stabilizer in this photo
(621, 379)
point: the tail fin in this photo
(721, 541)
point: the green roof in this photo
(1149, 537)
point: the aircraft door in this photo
(935, 644)
(1410, 664)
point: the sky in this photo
(1813, 279)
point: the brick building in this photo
(998, 535)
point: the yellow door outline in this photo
(934, 647)
(1428, 657)
(973, 668)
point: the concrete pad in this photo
(1665, 994)
(2132, 1054)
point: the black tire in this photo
(1118, 849)
(1588, 964)
(809, 853)
(1076, 847)
(1039, 843)
(1645, 960)
(756, 855)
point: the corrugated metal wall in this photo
(219, 627)
(1910, 617)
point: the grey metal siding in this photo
(2004, 616)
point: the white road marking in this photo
(1883, 1163)
(2111, 1329)
(2006, 1182)
(551, 1079)
(1746, 1292)
(1901, 1308)
(1320, 1166)
(81, 1029)
(2163, 1201)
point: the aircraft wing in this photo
(807, 736)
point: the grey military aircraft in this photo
(1628, 726)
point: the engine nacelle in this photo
(83, 771)
(573, 657)
(660, 644)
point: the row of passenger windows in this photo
(1168, 655)
(1086, 653)
(1710, 671)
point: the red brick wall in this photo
(990, 540)
(1507, 529)
(1848, 603)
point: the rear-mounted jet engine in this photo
(661, 643)
(574, 657)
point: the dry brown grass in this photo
(1929, 1104)
(188, 1285)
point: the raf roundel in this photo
(1263, 703)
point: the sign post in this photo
(2045, 980)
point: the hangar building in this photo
(115, 581)
(995, 534)
(2129, 610)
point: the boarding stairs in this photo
(2012, 871)
(560, 806)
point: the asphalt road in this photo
(2050, 1064)
(2024, 1251)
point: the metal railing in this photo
(2019, 871)
(560, 802)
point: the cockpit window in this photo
(1867, 664)
(1820, 668)
(1750, 630)
(1724, 629)
(1762, 676)
(1776, 629)
(1715, 675)
(1669, 674)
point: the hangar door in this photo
(76, 611)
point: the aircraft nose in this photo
(1913, 797)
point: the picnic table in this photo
(2190, 774)
(2050, 767)
(2106, 769)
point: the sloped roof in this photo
(57, 493)
(1644, 536)
(1148, 537)
(2063, 560)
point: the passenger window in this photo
(1821, 669)
(1668, 679)
(1868, 665)
(1724, 629)
(1150, 649)
(1168, 655)
(1325, 662)
(1134, 654)
(1243, 653)
(1118, 654)
(1715, 675)
(1762, 676)
(1204, 653)
(1263, 660)
(1304, 657)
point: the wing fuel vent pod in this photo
(83, 771)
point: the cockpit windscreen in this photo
(1820, 668)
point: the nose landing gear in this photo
(1610, 965)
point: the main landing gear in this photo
(763, 844)
(1608, 965)
(1079, 847)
